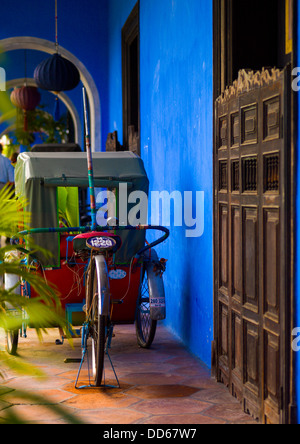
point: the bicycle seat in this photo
(97, 241)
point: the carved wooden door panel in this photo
(250, 242)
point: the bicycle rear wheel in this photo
(97, 291)
(145, 326)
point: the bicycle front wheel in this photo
(98, 294)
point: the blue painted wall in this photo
(176, 119)
(176, 142)
(83, 30)
(176, 123)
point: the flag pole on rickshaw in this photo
(89, 164)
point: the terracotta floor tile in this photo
(46, 397)
(87, 391)
(36, 383)
(141, 357)
(101, 401)
(147, 367)
(163, 385)
(36, 414)
(201, 382)
(3, 405)
(189, 371)
(183, 419)
(215, 396)
(162, 391)
(112, 416)
(4, 390)
(152, 378)
(229, 412)
(180, 361)
(174, 406)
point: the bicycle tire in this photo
(12, 341)
(98, 351)
(98, 323)
(145, 326)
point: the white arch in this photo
(16, 43)
(63, 97)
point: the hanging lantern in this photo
(26, 98)
(56, 74)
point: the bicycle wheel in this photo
(12, 340)
(12, 336)
(145, 326)
(99, 323)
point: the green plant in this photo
(43, 123)
(42, 312)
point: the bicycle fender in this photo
(103, 287)
(156, 290)
(11, 281)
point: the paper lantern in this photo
(56, 74)
(26, 98)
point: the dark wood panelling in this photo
(224, 246)
(249, 254)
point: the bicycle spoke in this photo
(145, 326)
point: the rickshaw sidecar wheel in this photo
(12, 340)
(145, 326)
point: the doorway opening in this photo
(250, 35)
(131, 82)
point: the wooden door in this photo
(250, 247)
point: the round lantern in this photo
(57, 74)
(26, 98)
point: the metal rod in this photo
(89, 164)
(56, 27)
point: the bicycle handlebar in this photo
(73, 230)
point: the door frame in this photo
(222, 77)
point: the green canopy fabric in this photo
(39, 176)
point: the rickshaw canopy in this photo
(39, 176)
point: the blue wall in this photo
(176, 119)
(83, 30)
(176, 142)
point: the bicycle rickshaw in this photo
(107, 273)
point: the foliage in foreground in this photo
(42, 312)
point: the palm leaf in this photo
(41, 313)
(11, 212)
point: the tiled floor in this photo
(164, 385)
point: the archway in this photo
(16, 43)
